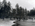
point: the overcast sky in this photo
(29, 4)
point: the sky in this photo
(28, 4)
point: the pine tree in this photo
(5, 10)
(17, 10)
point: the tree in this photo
(14, 13)
(20, 13)
(25, 14)
(32, 12)
(8, 8)
(28, 14)
(4, 2)
(17, 10)
(5, 10)
(20, 10)
(17, 7)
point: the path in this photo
(6, 22)
(27, 23)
